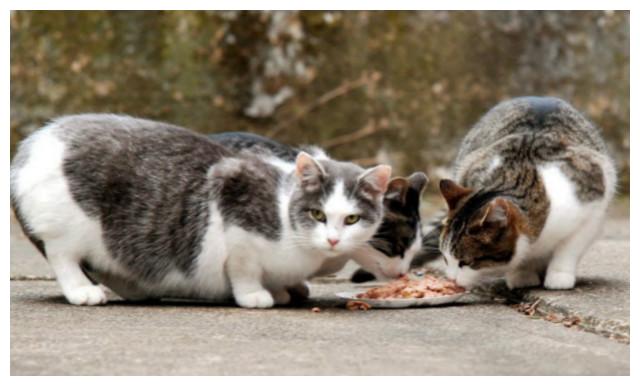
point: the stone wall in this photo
(401, 87)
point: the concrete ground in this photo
(581, 332)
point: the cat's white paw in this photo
(89, 295)
(522, 279)
(281, 297)
(258, 299)
(559, 280)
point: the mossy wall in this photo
(400, 87)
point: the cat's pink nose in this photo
(333, 242)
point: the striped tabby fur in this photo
(532, 183)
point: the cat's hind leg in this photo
(527, 274)
(76, 286)
(123, 288)
(561, 271)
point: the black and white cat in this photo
(398, 238)
(153, 210)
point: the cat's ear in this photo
(403, 189)
(309, 172)
(496, 214)
(397, 189)
(453, 192)
(417, 181)
(375, 181)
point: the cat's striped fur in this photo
(533, 180)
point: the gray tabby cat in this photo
(391, 250)
(153, 210)
(533, 180)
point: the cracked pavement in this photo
(579, 332)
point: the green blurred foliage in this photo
(399, 87)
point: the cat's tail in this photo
(430, 250)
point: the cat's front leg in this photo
(248, 295)
(246, 283)
(281, 296)
(296, 293)
(299, 292)
(520, 278)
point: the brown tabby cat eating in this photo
(533, 180)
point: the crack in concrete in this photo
(537, 307)
(613, 329)
(31, 278)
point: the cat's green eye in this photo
(317, 215)
(351, 219)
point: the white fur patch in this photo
(285, 262)
(495, 162)
(46, 204)
(209, 280)
(566, 212)
(40, 187)
(338, 206)
(284, 166)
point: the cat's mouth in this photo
(333, 251)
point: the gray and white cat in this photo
(153, 210)
(392, 248)
(533, 180)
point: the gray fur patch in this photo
(525, 133)
(237, 141)
(301, 202)
(147, 184)
(246, 192)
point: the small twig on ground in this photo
(528, 309)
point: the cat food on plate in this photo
(405, 292)
(428, 286)
(354, 305)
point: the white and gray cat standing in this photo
(152, 210)
(533, 180)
